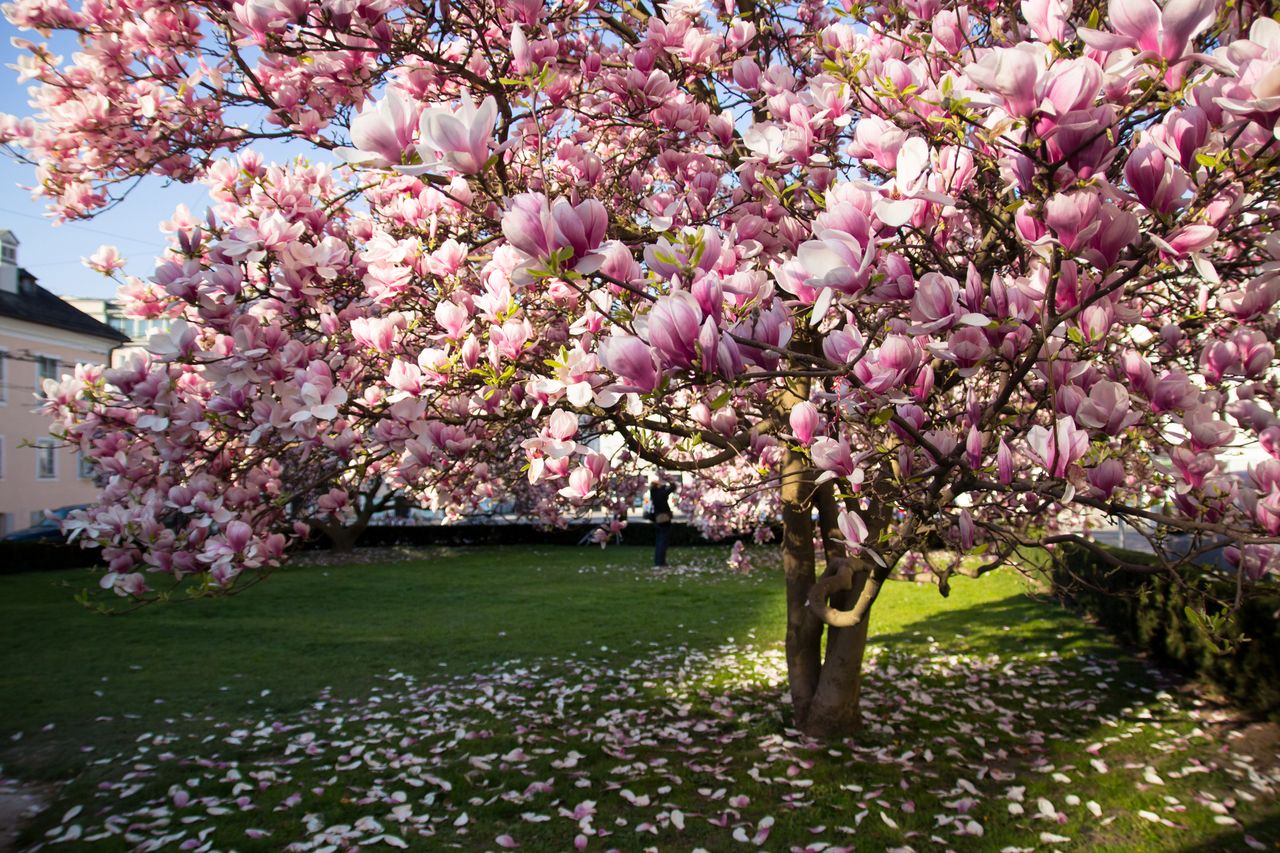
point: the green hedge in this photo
(53, 556)
(1150, 612)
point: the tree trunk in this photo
(804, 630)
(825, 691)
(342, 540)
(343, 537)
(835, 710)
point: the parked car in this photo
(47, 530)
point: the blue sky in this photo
(53, 252)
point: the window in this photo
(46, 459)
(4, 376)
(84, 467)
(46, 368)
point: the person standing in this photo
(660, 491)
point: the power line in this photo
(83, 228)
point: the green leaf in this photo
(1209, 161)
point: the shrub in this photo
(1180, 621)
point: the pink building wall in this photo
(24, 494)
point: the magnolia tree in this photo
(920, 271)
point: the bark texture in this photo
(825, 690)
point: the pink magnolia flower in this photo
(836, 261)
(1076, 138)
(130, 584)
(582, 485)
(1057, 449)
(580, 227)
(1004, 463)
(462, 136)
(1256, 561)
(973, 448)
(177, 341)
(375, 332)
(835, 458)
(695, 249)
(521, 55)
(383, 132)
(106, 260)
(1218, 359)
(453, 318)
(898, 352)
(805, 421)
(1173, 391)
(539, 229)
(1073, 218)
(1142, 24)
(1106, 408)
(853, 528)
(1256, 352)
(1266, 475)
(967, 347)
(1047, 18)
(936, 304)
(1255, 91)
(632, 360)
(1182, 133)
(674, 326)
(319, 397)
(1105, 477)
(1155, 179)
(1192, 467)
(563, 425)
(1010, 72)
(951, 29)
(406, 378)
(1206, 432)
(1068, 86)
(966, 529)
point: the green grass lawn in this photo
(482, 698)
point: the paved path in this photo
(1130, 539)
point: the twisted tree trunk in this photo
(835, 709)
(825, 690)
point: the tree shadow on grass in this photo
(1016, 624)
(1036, 628)
(1265, 830)
(1122, 687)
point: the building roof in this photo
(33, 304)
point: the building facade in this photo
(108, 311)
(41, 337)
